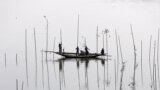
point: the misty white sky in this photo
(18, 15)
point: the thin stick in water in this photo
(35, 58)
(123, 64)
(154, 64)
(16, 59)
(26, 56)
(115, 74)
(16, 84)
(46, 52)
(158, 60)
(42, 70)
(150, 58)
(22, 85)
(117, 54)
(141, 64)
(106, 31)
(134, 47)
(97, 74)
(5, 58)
(53, 56)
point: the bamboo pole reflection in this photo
(77, 61)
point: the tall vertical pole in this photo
(16, 59)
(103, 38)
(26, 56)
(61, 36)
(134, 47)
(107, 53)
(158, 59)
(141, 64)
(78, 31)
(97, 40)
(35, 58)
(16, 84)
(123, 64)
(22, 85)
(97, 60)
(154, 63)
(5, 58)
(42, 70)
(150, 58)
(46, 52)
(115, 71)
(117, 53)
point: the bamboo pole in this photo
(150, 58)
(22, 85)
(154, 64)
(16, 59)
(158, 60)
(60, 67)
(78, 73)
(97, 74)
(16, 84)
(26, 57)
(97, 60)
(141, 64)
(35, 58)
(63, 75)
(115, 74)
(42, 70)
(78, 31)
(107, 53)
(97, 40)
(134, 47)
(123, 64)
(5, 58)
(155, 77)
(117, 53)
(46, 52)
(53, 56)
(104, 75)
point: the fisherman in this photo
(102, 51)
(60, 48)
(86, 50)
(77, 50)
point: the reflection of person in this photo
(77, 50)
(102, 51)
(60, 48)
(86, 49)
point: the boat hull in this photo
(74, 55)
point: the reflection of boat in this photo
(79, 59)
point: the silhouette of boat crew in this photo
(86, 50)
(77, 50)
(60, 48)
(102, 51)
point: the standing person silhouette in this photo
(77, 50)
(86, 50)
(60, 48)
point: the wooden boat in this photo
(74, 55)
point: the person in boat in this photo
(60, 48)
(86, 50)
(102, 51)
(77, 50)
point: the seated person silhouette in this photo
(102, 51)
